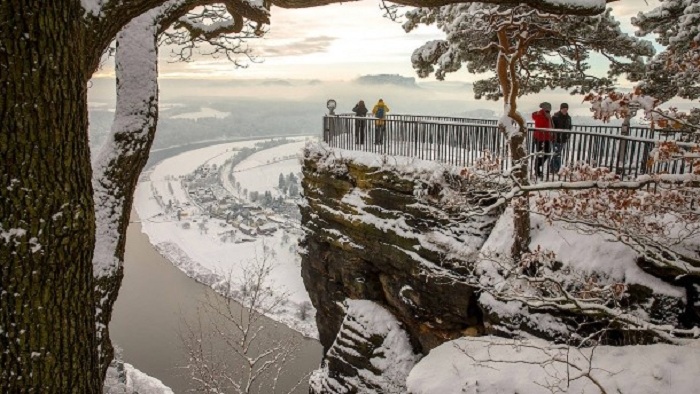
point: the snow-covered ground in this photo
(499, 365)
(206, 255)
(260, 171)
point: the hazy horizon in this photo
(315, 43)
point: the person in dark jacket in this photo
(542, 137)
(560, 120)
(360, 124)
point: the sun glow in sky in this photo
(335, 42)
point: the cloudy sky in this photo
(336, 42)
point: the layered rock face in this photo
(370, 354)
(374, 232)
(389, 230)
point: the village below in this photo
(215, 198)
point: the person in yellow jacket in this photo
(379, 111)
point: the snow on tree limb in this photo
(551, 50)
(573, 7)
(214, 30)
(676, 70)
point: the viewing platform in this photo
(463, 141)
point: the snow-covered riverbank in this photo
(211, 249)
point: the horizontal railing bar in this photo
(530, 128)
(464, 143)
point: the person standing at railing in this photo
(542, 138)
(379, 111)
(560, 120)
(360, 111)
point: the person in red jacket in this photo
(542, 139)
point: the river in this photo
(154, 299)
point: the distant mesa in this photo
(276, 82)
(387, 79)
(314, 82)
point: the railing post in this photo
(622, 147)
(461, 143)
(326, 130)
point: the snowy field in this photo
(260, 171)
(204, 254)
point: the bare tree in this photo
(559, 366)
(229, 348)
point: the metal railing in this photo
(462, 141)
(635, 131)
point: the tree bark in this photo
(47, 319)
(120, 161)
(510, 85)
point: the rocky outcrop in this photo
(391, 230)
(380, 232)
(371, 353)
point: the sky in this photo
(336, 42)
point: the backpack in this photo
(380, 112)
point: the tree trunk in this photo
(521, 207)
(120, 161)
(47, 319)
(510, 85)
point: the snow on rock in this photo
(457, 239)
(583, 258)
(124, 378)
(585, 253)
(375, 349)
(144, 384)
(506, 366)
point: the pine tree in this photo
(675, 71)
(530, 51)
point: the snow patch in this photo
(506, 366)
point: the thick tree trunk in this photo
(47, 314)
(120, 161)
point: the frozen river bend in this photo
(216, 211)
(211, 212)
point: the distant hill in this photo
(275, 82)
(387, 79)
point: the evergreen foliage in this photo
(675, 71)
(555, 50)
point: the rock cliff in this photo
(384, 229)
